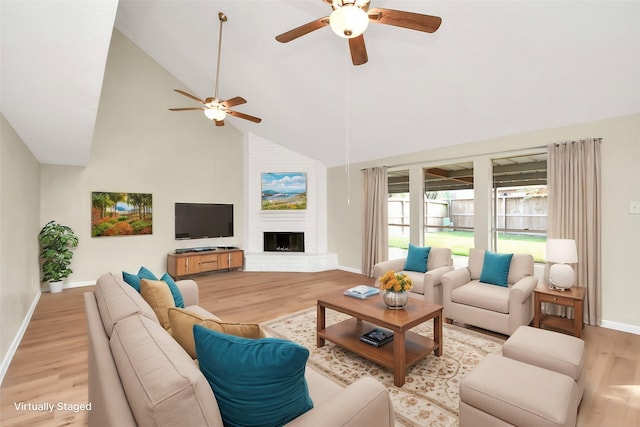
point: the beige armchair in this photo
(497, 308)
(425, 285)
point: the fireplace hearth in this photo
(283, 241)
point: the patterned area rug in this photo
(430, 395)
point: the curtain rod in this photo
(453, 159)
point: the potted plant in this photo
(55, 242)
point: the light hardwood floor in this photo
(50, 365)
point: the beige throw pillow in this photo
(158, 295)
(182, 322)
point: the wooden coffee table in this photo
(406, 348)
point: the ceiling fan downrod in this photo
(223, 18)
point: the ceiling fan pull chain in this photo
(347, 127)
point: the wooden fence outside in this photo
(513, 213)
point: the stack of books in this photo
(362, 291)
(377, 337)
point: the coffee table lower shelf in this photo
(347, 335)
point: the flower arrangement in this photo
(396, 282)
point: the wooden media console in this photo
(189, 263)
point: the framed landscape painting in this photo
(284, 191)
(121, 214)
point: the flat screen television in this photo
(203, 220)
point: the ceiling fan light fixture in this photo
(348, 21)
(213, 107)
(215, 114)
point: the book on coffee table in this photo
(362, 291)
(377, 337)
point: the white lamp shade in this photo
(562, 251)
(348, 21)
(215, 114)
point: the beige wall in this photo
(620, 182)
(19, 227)
(140, 146)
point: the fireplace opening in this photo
(283, 242)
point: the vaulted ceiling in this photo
(494, 68)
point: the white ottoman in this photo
(505, 392)
(550, 350)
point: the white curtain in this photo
(574, 212)
(375, 233)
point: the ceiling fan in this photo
(214, 108)
(350, 18)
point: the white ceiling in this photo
(53, 55)
(493, 68)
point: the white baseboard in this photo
(350, 269)
(73, 285)
(633, 329)
(18, 338)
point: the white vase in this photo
(55, 287)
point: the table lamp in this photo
(561, 252)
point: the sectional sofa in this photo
(140, 375)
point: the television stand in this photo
(200, 261)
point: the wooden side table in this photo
(573, 297)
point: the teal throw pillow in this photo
(417, 258)
(145, 273)
(257, 382)
(132, 280)
(495, 268)
(175, 291)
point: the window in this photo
(398, 211)
(519, 208)
(442, 212)
(449, 207)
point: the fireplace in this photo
(282, 241)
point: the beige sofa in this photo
(425, 285)
(496, 308)
(139, 375)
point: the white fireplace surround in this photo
(263, 156)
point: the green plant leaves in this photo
(55, 240)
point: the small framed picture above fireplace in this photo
(284, 191)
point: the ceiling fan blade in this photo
(358, 50)
(181, 92)
(410, 20)
(233, 102)
(303, 29)
(219, 122)
(244, 116)
(187, 109)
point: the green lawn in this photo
(461, 241)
